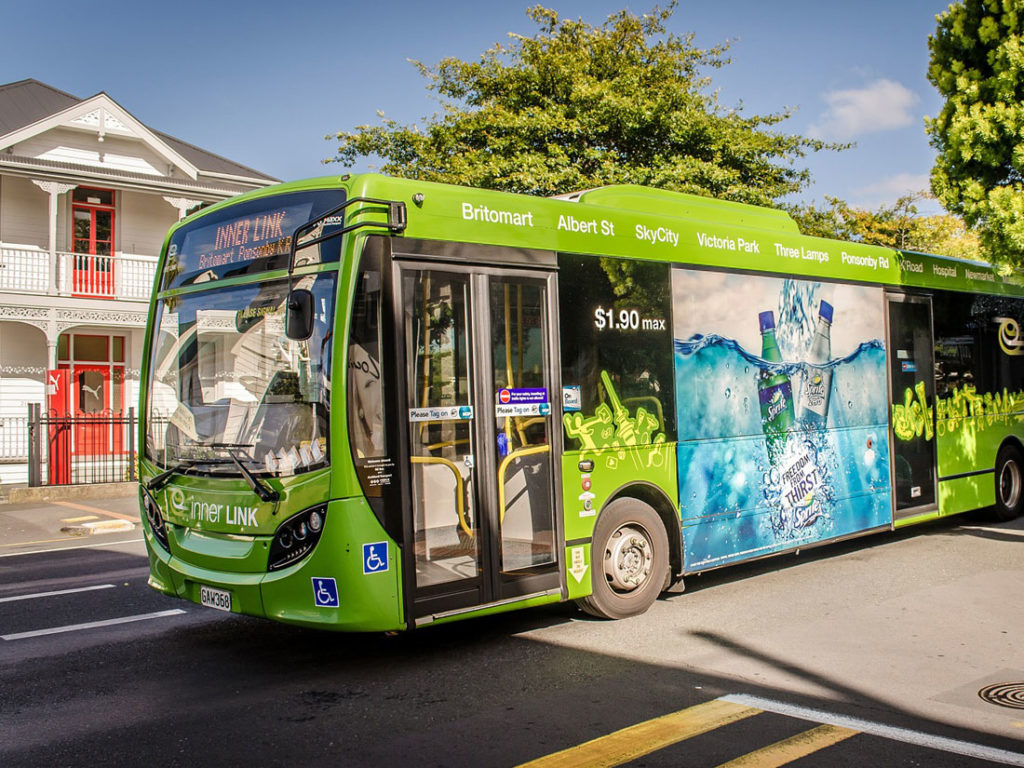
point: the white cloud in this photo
(887, 191)
(879, 106)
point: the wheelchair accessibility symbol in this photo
(325, 593)
(375, 557)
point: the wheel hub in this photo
(1010, 484)
(629, 558)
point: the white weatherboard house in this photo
(87, 193)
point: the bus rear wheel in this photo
(629, 560)
(1009, 483)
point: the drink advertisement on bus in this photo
(782, 412)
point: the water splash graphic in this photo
(825, 482)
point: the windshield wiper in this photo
(264, 492)
(157, 482)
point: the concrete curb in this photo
(71, 492)
(98, 526)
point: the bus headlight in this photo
(296, 537)
(156, 521)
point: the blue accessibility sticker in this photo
(325, 593)
(375, 557)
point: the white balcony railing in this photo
(26, 269)
(13, 438)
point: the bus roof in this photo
(653, 224)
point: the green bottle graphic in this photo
(774, 391)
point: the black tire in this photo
(1009, 483)
(626, 574)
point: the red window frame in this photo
(93, 209)
(93, 273)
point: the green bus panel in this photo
(367, 601)
(590, 479)
(962, 494)
(970, 443)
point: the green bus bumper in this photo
(366, 601)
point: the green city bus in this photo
(373, 404)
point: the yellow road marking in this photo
(643, 738)
(793, 748)
(96, 510)
(81, 519)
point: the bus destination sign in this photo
(226, 244)
(250, 237)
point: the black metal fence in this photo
(80, 449)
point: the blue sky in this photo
(262, 83)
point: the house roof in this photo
(26, 102)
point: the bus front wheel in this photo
(1009, 483)
(629, 560)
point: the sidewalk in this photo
(51, 517)
(21, 493)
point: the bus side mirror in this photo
(298, 324)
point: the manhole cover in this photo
(1004, 694)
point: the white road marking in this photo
(917, 738)
(77, 546)
(91, 625)
(57, 592)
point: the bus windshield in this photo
(224, 376)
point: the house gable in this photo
(98, 132)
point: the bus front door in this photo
(481, 474)
(912, 384)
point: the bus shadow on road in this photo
(496, 691)
(501, 690)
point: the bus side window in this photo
(366, 406)
(617, 351)
(367, 418)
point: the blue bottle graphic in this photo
(816, 390)
(774, 391)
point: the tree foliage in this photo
(894, 226)
(577, 106)
(977, 65)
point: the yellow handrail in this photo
(446, 443)
(504, 466)
(460, 492)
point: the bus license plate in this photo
(215, 598)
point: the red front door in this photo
(58, 409)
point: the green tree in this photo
(977, 65)
(577, 106)
(947, 235)
(894, 226)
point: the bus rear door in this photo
(912, 384)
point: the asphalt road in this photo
(868, 653)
